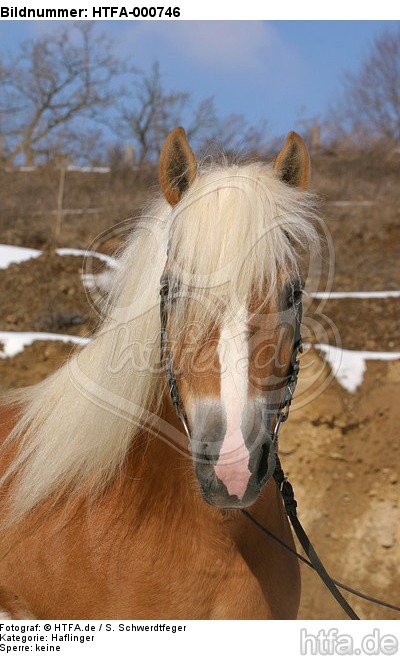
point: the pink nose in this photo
(232, 467)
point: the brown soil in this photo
(340, 450)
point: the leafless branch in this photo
(53, 83)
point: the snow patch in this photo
(111, 261)
(329, 295)
(16, 254)
(349, 367)
(102, 281)
(15, 342)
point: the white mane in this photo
(232, 230)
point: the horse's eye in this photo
(164, 287)
(295, 292)
(170, 288)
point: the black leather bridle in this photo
(166, 359)
(281, 480)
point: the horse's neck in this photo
(160, 466)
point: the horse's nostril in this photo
(266, 464)
(204, 453)
(263, 461)
(209, 453)
(207, 456)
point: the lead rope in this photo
(290, 504)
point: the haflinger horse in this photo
(109, 507)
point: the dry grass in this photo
(357, 175)
(28, 206)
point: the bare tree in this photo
(59, 97)
(369, 108)
(51, 92)
(236, 137)
(153, 112)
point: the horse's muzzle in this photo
(215, 492)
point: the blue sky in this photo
(280, 71)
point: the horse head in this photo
(231, 311)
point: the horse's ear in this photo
(177, 166)
(293, 162)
